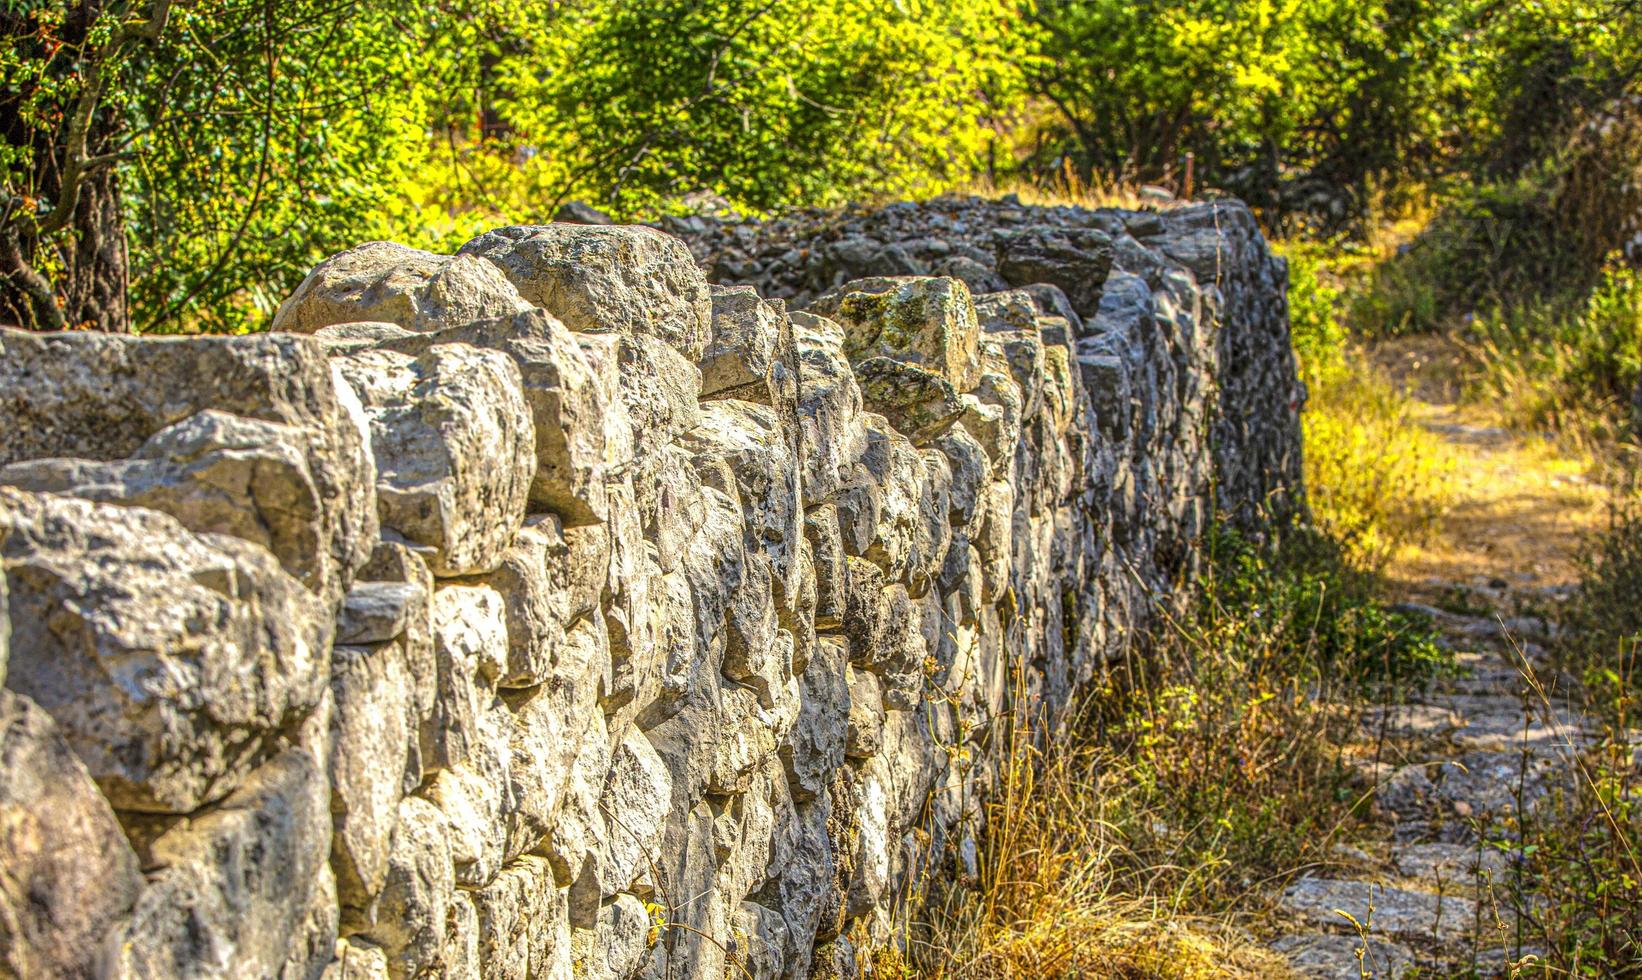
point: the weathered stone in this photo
(829, 407)
(866, 717)
(70, 879)
(749, 439)
(347, 338)
(816, 746)
(606, 279)
(375, 612)
(357, 960)
(171, 661)
(213, 472)
(920, 404)
(555, 726)
(374, 730)
(929, 322)
(615, 948)
(1396, 912)
(635, 803)
(534, 583)
(522, 930)
(385, 281)
(470, 647)
(408, 918)
(570, 402)
(234, 887)
(751, 354)
(1074, 259)
(101, 397)
(453, 442)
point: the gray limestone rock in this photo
(623, 279)
(392, 283)
(454, 447)
(217, 473)
(101, 397)
(571, 404)
(70, 878)
(235, 886)
(171, 661)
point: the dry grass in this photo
(1069, 191)
(1063, 892)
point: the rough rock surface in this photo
(674, 648)
(382, 281)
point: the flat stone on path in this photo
(1334, 955)
(1396, 912)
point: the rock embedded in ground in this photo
(1341, 956)
(1381, 909)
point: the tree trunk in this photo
(95, 287)
(86, 288)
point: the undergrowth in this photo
(1195, 781)
(1377, 481)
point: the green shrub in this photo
(1571, 369)
(1315, 614)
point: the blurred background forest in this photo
(217, 148)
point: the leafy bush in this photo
(1569, 369)
(1318, 336)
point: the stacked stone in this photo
(544, 610)
(1192, 267)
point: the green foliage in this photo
(1302, 610)
(1340, 90)
(1571, 369)
(268, 136)
(1315, 329)
(767, 104)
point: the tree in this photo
(209, 153)
(63, 253)
(768, 102)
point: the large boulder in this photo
(925, 321)
(455, 450)
(624, 279)
(68, 879)
(570, 402)
(213, 472)
(171, 660)
(393, 283)
(101, 397)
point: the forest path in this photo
(1451, 770)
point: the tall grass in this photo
(1376, 479)
(1573, 370)
(1193, 784)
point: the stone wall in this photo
(544, 611)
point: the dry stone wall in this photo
(546, 611)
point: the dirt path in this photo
(1451, 770)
